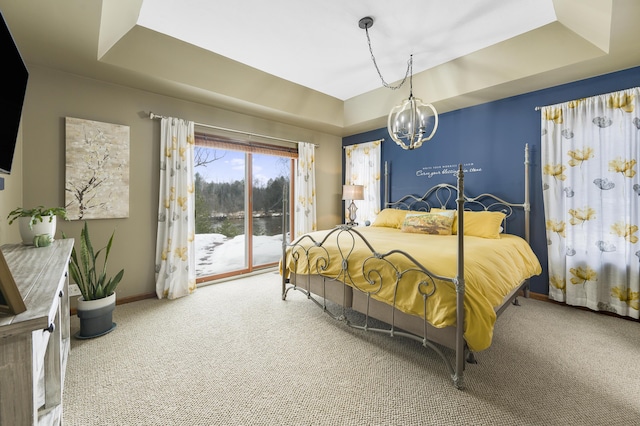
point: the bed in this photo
(420, 269)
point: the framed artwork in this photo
(10, 299)
(97, 169)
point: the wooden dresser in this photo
(34, 344)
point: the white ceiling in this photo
(319, 45)
(307, 64)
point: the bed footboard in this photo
(377, 273)
(345, 281)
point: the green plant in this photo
(93, 284)
(36, 214)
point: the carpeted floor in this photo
(234, 353)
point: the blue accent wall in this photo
(489, 141)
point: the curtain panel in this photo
(362, 167)
(591, 192)
(175, 246)
(304, 216)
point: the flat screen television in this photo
(12, 95)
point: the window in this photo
(239, 210)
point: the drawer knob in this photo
(51, 328)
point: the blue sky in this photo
(230, 167)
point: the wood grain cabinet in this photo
(34, 345)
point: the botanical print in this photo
(97, 169)
(557, 227)
(591, 188)
(555, 170)
(580, 216)
(631, 298)
(623, 166)
(578, 156)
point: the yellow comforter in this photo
(493, 268)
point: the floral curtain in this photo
(305, 190)
(590, 151)
(175, 248)
(362, 167)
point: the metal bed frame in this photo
(335, 288)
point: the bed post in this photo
(386, 184)
(458, 378)
(527, 206)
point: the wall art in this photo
(97, 170)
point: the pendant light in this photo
(412, 122)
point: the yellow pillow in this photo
(390, 218)
(483, 224)
(428, 223)
(478, 224)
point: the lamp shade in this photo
(352, 192)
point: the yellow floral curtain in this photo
(362, 167)
(304, 199)
(175, 248)
(591, 190)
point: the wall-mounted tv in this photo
(11, 95)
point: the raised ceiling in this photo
(308, 63)
(320, 45)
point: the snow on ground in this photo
(215, 253)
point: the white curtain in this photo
(305, 190)
(362, 167)
(590, 152)
(175, 248)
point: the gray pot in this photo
(95, 317)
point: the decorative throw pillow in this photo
(390, 218)
(428, 223)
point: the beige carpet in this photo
(236, 354)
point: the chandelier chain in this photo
(384, 83)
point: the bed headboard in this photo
(444, 196)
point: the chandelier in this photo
(412, 122)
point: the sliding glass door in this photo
(239, 215)
(270, 175)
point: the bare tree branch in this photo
(203, 156)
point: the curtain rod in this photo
(358, 143)
(209, 126)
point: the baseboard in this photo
(123, 300)
(540, 296)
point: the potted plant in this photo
(98, 300)
(37, 221)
